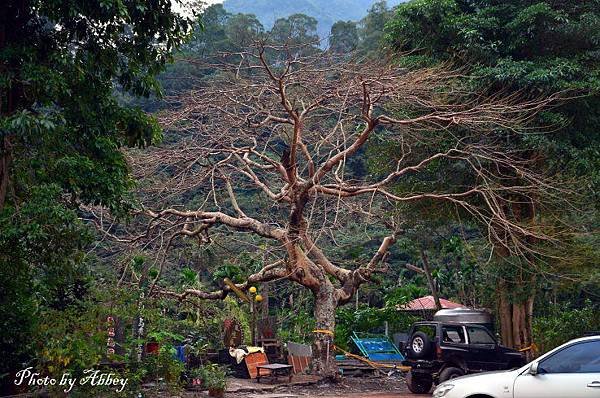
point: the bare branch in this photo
(292, 134)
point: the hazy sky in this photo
(181, 7)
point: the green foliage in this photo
(563, 322)
(189, 277)
(228, 270)
(530, 47)
(298, 31)
(371, 28)
(222, 31)
(325, 12)
(163, 366)
(233, 308)
(403, 294)
(298, 326)
(213, 376)
(41, 266)
(243, 30)
(67, 125)
(70, 339)
(424, 24)
(73, 339)
(17, 313)
(344, 37)
(48, 240)
(370, 319)
(61, 134)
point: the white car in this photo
(569, 371)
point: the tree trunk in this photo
(430, 281)
(4, 170)
(323, 356)
(516, 322)
(505, 316)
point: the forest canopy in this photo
(159, 165)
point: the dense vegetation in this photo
(528, 47)
(72, 101)
(62, 130)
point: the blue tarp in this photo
(377, 348)
(180, 353)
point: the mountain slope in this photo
(326, 12)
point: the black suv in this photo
(439, 351)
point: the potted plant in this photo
(196, 377)
(214, 378)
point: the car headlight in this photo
(442, 390)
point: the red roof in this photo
(427, 303)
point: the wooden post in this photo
(253, 323)
(265, 290)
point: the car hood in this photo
(493, 375)
(489, 383)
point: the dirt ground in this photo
(302, 387)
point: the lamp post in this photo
(256, 298)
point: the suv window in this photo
(578, 358)
(429, 330)
(453, 334)
(479, 336)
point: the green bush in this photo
(213, 376)
(298, 327)
(74, 339)
(563, 323)
(369, 319)
(163, 366)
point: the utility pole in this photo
(432, 286)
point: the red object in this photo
(152, 348)
(255, 359)
(428, 303)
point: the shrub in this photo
(563, 323)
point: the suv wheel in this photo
(419, 345)
(418, 384)
(450, 373)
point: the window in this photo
(578, 358)
(453, 334)
(479, 336)
(429, 330)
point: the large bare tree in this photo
(288, 130)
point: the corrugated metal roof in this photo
(427, 303)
